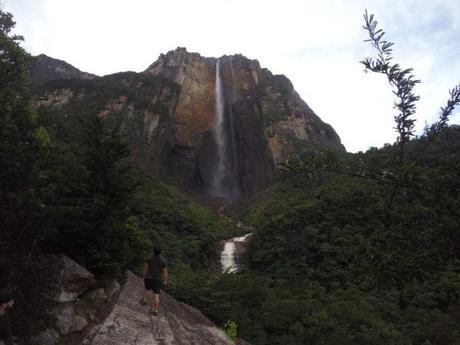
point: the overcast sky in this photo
(316, 44)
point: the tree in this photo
(90, 183)
(21, 140)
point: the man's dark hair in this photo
(157, 250)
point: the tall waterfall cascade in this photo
(225, 180)
(219, 135)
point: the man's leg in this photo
(156, 302)
(146, 296)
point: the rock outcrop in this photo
(43, 69)
(69, 299)
(130, 323)
(66, 279)
(168, 114)
(114, 315)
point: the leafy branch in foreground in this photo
(404, 171)
(403, 83)
(401, 80)
(353, 165)
(446, 111)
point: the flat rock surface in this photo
(130, 323)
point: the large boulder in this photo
(79, 323)
(47, 337)
(177, 324)
(66, 280)
(64, 316)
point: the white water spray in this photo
(219, 135)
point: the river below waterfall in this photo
(232, 254)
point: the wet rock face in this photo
(189, 149)
(266, 121)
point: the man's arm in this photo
(146, 267)
(164, 273)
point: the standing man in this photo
(155, 277)
(6, 302)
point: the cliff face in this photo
(264, 121)
(215, 126)
(139, 106)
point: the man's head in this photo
(6, 298)
(157, 250)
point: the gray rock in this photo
(98, 296)
(78, 324)
(177, 324)
(90, 335)
(66, 279)
(64, 316)
(112, 289)
(48, 337)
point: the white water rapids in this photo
(230, 258)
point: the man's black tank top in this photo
(155, 265)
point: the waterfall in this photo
(230, 257)
(224, 182)
(219, 135)
(232, 131)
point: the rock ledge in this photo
(131, 324)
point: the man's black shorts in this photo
(153, 284)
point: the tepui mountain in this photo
(213, 126)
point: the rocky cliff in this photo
(265, 120)
(43, 68)
(215, 126)
(139, 106)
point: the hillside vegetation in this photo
(356, 248)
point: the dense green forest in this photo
(348, 249)
(68, 185)
(340, 259)
(355, 248)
